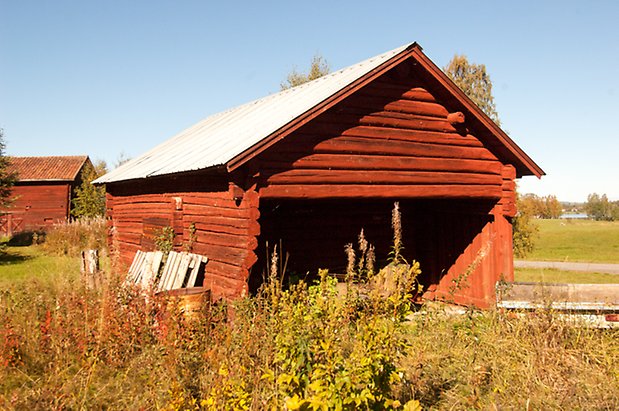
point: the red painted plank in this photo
(325, 191)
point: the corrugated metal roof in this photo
(221, 137)
(54, 168)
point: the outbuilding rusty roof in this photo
(54, 168)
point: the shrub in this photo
(524, 229)
(76, 235)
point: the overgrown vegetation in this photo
(76, 235)
(475, 82)
(89, 200)
(66, 347)
(524, 230)
(7, 178)
(357, 345)
(318, 68)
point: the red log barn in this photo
(43, 192)
(311, 166)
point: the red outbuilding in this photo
(43, 192)
(311, 166)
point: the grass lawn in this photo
(20, 264)
(577, 240)
(551, 275)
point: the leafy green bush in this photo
(524, 229)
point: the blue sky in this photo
(109, 77)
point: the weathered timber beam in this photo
(352, 191)
(381, 177)
(381, 162)
(456, 118)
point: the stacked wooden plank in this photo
(145, 267)
(180, 270)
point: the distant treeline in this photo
(600, 208)
(540, 207)
(597, 207)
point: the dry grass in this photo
(77, 235)
(495, 361)
(65, 347)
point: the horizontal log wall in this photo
(212, 224)
(389, 140)
(40, 206)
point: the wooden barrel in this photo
(190, 300)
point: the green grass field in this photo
(20, 264)
(577, 240)
(550, 275)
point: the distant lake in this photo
(574, 215)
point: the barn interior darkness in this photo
(312, 234)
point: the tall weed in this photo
(70, 238)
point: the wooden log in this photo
(229, 255)
(456, 118)
(379, 162)
(248, 227)
(386, 119)
(200, 210)
(363, 145)
(216, 202)
(509, 172)
(228, 240)
(302, 176)
(390, 119)
(326, 191)
(224, 269)
(364, 103)
(318, 134)
(508, 186)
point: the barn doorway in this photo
(313, 233)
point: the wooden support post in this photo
(90, 269)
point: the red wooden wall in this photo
(225, 227)
(388, 140)
(37, 206)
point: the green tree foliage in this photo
(525, 230)
(7, 179)
(89, 199)
(541, 207)
(318, 68)
(474, 82)
(600, 208)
